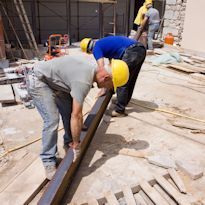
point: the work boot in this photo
(118, 114)
(50, 170)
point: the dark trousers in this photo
(134, 57)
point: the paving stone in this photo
(162, 161)
(193, 170)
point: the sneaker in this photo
(118, 114)
(50, 170)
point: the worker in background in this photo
(153, 20)
(118, 47)
(59, 86)
(137, 23)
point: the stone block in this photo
(193, 170)
(169, 14)
(171, 1)
(162, 161)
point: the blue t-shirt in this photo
(112, 47)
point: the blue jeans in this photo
(50, 104)
(151, 30)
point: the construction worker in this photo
(153, 20)
(59, 86)
(118, 47)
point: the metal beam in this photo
(60, 183)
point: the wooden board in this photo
(25, 185)
(129, 198)
(177, 180)
(14, 172)
(146, 198)
(111, 199)
(6, 94)
(164, 195)
(139, 200)
(171, 190)
(152, 193)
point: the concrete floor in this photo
(103, 168)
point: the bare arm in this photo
(100, 63)
(141, 28)
(76, 122)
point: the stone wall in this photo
(174, 19)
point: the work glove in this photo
(76, 150)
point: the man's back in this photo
(69, 74)
(153, 15)
(111, 47)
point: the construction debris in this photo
(177, 180)
(162, 161)
(193, 170)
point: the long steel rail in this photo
(61, 181)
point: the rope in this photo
(169, 112)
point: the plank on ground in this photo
(25, 185)
(177, 180)
(152, 193)
(111, 199)
(14, 172)
(146, 198)
(139, 199)
(171, 190)
(129, 198)
(164, 195)
(6, 94)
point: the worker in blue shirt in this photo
(118, 47)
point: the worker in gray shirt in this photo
(152, 19)
(59, 86)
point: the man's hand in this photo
(76, 150)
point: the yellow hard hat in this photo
(120, 73)
(147, 2)
(84, 44)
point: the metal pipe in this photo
(62, 179)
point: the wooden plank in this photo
(180, 68)
(146, 198)
(171, 190)
(132, 153)
(129, 198)
(12, 174)
(152, 193)
(172, 183)
(93, 202)
(164, 195)
(139, 199)
(25, 185)
(177, 180)
(111, 199)
(6, 94)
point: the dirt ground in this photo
(103, 168)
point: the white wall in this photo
(194, 26)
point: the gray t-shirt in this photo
(153, 15)
(70, 74)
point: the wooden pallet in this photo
(162, 190)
